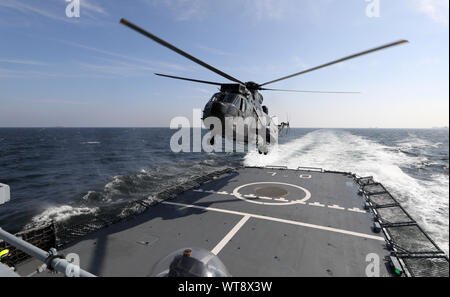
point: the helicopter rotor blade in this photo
(177, 50)
(304, 91)
(338, 61)
(190, 79)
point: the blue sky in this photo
(93, 72)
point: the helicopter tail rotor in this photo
(288, 125)
(284, 126)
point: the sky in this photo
(92, 71)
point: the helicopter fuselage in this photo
(242, 100)
(241, 108)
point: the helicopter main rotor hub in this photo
(252, 86)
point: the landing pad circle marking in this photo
(239, 196)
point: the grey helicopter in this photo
(243, 100)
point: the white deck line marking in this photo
(336, 207)
(230, 235)
(316, 204)
(264, 197)
(342, 231)
(240, 196)
(357, 210)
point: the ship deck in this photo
(259, 221)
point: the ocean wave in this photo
(60, 213)
(413, 141)
(146, 182)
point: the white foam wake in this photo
(61, 213)
(427, 201)
(91, 142)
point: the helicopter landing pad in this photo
(258, 221)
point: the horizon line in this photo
(166, 127)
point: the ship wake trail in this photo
(426, 200)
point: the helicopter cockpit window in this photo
(243, 105)
(230, 98)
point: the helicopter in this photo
(243, 100)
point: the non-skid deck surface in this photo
(260, 222)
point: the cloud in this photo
(183, 10)
(29, 9)
(54, 10)
(23, 62)
(32, 74)
(436, 10)
(114, 65)
(215, 51)
(429, 61)
(203, 91)
(58, 101)
(255, 10)
(118, 69)
(267, 9)
(92, 7)
(150, 63)
(277, 10)
(300, 63)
